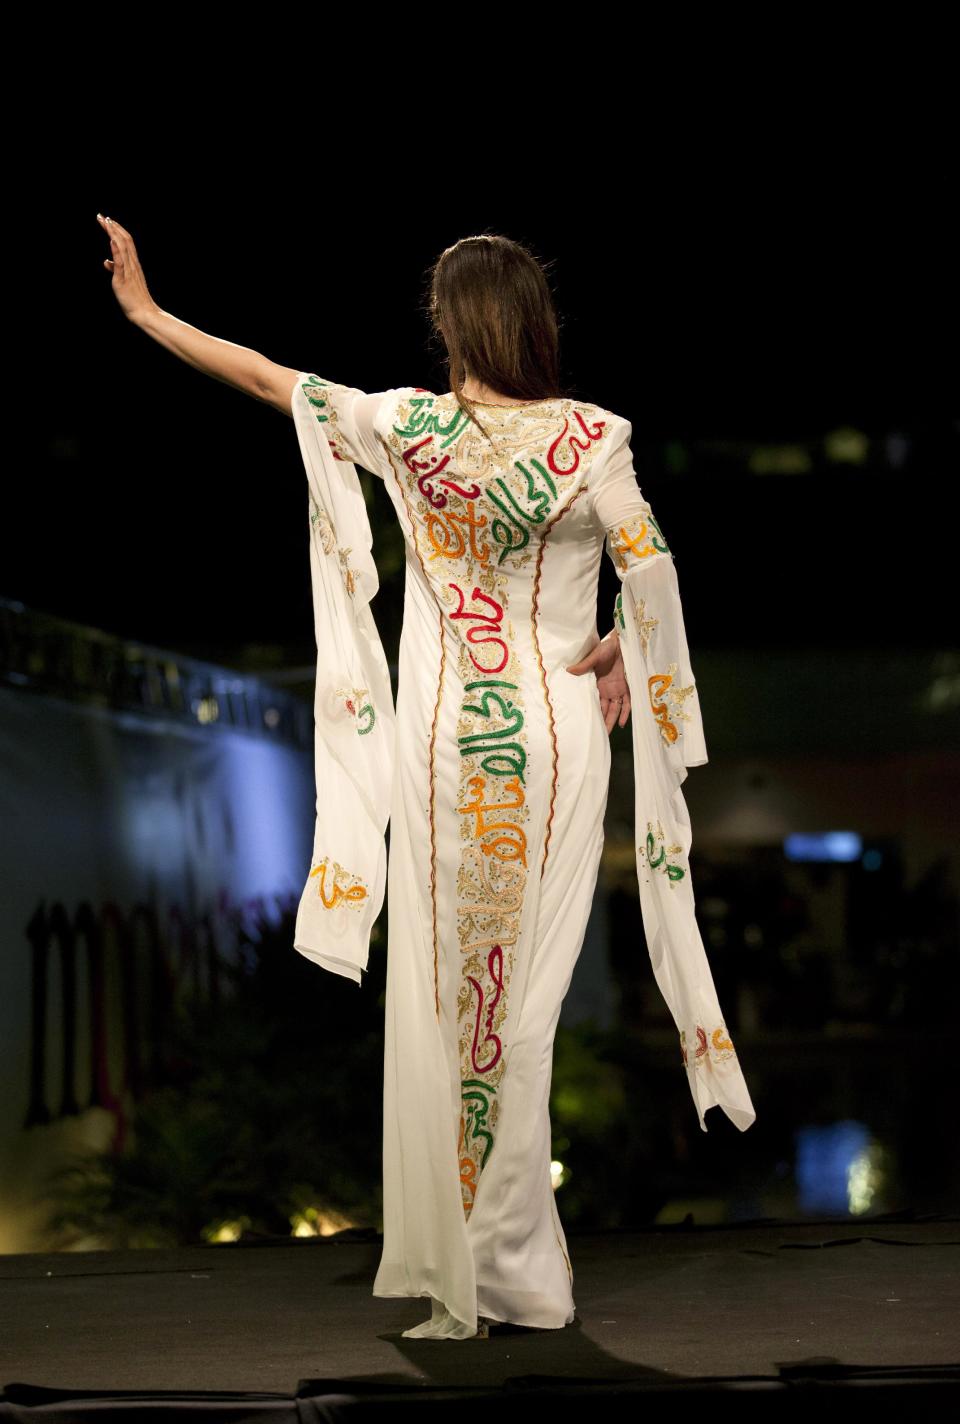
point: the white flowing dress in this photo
(492, 770)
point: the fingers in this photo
(108, 226)
(120, 240)
(616, 711)
(589, 660)
(112, 226)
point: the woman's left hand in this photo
(606, 660)
(129, 284)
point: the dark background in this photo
(770, 297)
(721, 304)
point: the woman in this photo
(493, 767)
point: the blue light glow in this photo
(823, 846)
(830, 1167)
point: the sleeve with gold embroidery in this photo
(348, 418)
(354, 715)
(667, 737)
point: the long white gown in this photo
(493, 771)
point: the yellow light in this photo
(865, 1177)
(227, 1230)
(847, 445)
(319, 1221)
(207, 709)
(779, 460)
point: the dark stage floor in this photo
(757, 1300)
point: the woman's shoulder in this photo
(412, 401)
(568, 400)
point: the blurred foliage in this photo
(609, 1141)
(271, 1107)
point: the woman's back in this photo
(473, 500)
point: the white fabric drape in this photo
(355, 729)
(353, 707)
(504, 539)
(668, 738)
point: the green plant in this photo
(274, 1107)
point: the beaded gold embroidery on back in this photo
(481, 458)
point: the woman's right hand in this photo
(129, 283)
(606, 660)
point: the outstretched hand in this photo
(606, 660)
(129, 283)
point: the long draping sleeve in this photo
(354, 713)
(668, 738)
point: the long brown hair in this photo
(492, 310)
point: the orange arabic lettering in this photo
(352, 892)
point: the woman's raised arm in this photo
(237, 366)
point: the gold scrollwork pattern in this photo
(479, 510)
(337, 891)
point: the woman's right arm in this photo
(239, 366)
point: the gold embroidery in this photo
(656, 853)
(476, 511)
(720, 1048)
(662, 682)
(636, 539)
(359, 709)
(352, 893)
(322, 396)
(557, 442)
(347, 571)
(645, 626)
(321, 521)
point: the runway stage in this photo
(781, 1314)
